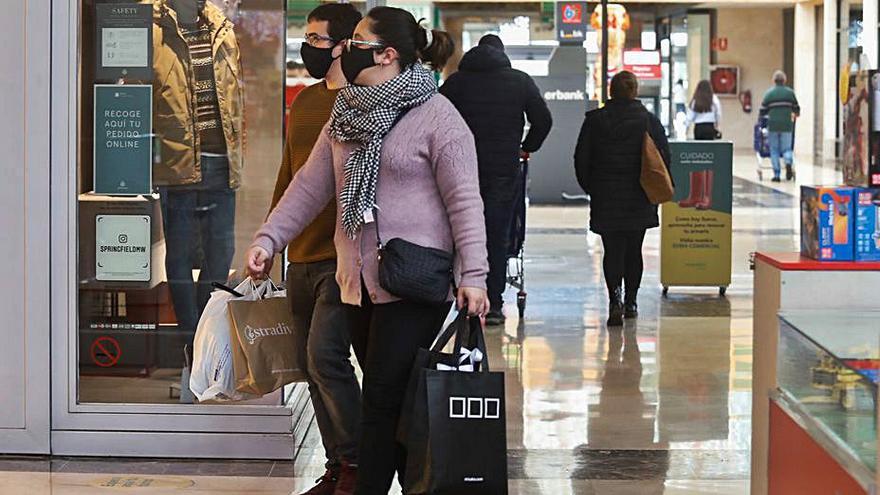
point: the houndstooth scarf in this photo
(365, 115)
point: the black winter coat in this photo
(492, 97)
(608, 164)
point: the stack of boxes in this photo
(843, 223)
(840, 223)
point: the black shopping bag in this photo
(455, 431)
(425, 359)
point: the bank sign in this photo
(123, 151)
(122, 248)
(571, 22)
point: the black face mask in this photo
(316, 60)
(354, 62)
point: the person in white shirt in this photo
(704, 113)
(679, 97)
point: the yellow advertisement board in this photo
(696, 226)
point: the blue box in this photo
(868, 225)
(828, 223)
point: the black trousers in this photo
(623, 260)
(395, 332)
(499, 196)
(704, 132)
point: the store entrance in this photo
(168, 173)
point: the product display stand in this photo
(789, 282)
(823, 414)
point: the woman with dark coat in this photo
(608, 163)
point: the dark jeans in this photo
(395, 333)
(199, 223)
(323, 327)
(499, 195)
(623, 260)
(704, 132)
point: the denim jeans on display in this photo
(780, 146)
(199, 223)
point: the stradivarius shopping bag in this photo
(453, 423)
(213, 377)
(262, 327)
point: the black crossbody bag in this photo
(412, 272)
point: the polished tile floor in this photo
(661, 406)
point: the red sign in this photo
(105, 352)
(719, 44)
(572, 13)
(644, 64)
(724, 79)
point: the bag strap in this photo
(476, 340)
(477, 327)
(446, 333)
(226, 288)
(464, 326)
(263, 289)
(397, 120)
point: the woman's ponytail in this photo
(437, 48)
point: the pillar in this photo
(870, 21)
(829, 80)
(804, 77)
(455, 27)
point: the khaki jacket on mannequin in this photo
(173, 106)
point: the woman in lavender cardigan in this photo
(394, 143)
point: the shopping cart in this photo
(516, 276)
(761, 145)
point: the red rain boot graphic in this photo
(695, 194)
(705, 203)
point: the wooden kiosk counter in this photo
(813, 418)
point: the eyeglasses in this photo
(364, 45)
(315, 40)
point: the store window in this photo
(850, 44)
(851, 34)
(181, 121)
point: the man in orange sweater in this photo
(322, 323)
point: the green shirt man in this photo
(780, 105)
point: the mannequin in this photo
(198, 109)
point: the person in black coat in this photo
(493, 98)
(608, 163)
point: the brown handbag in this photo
(655, 179)
(263, 342)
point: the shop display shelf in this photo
(827, 372)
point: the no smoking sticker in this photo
(105, 352)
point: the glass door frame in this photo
(153, 430)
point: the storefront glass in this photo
(850, 48)
(180, 139)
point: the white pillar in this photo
(870, 21)
(804, 77)
(829, 79)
